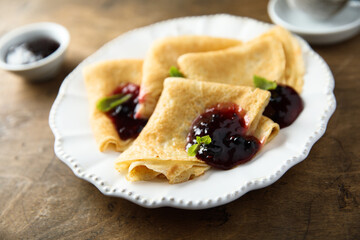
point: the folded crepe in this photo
(275, 55)
(101, 79)
(162, 55)
(237, 65)
(159, 150)
(294, 63)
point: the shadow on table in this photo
(51, 87)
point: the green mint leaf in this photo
(174, 72)
(263, 83)
(108, 103)
(193, 149)
(206, 139)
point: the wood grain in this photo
(42, 199)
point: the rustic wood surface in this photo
(42, 199)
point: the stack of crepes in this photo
(215, 71)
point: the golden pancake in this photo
(294, 68)
(276, 55)
(162, 55)
(101, 79)
(159, 150)
(237, 65)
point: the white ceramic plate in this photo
(75, 144)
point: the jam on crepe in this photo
(123, 115)
(226, 126)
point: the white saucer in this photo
(342, 26)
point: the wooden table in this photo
(42, 199)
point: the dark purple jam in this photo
(31, 51)
(230, 146)
(285, 106)
(123, 115)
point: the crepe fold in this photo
(159, 150)
(162, 55)
(101, 79)
(276, 55)
(294, 63)
(237, 65)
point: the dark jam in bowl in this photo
(31, 51)
(123, 115)
(226, 126)
(285, 106)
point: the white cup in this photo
(318, 9)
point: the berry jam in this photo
(31, 51)
(123, 115)
(230, 146)
(285, 106)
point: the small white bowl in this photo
(45, 68)
(344, 25)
